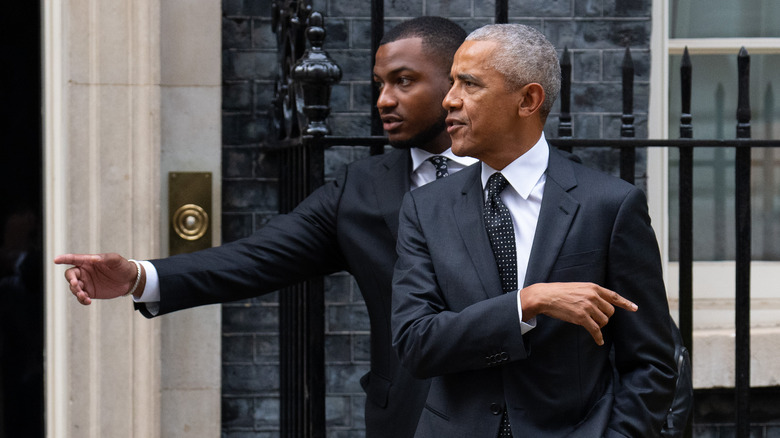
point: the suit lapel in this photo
(468, 215)
(555, 217)
(391, 184)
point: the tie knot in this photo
(496, 184)
(440, 164)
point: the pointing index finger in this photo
(618, 300)
(76, 259)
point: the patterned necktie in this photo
(498, 223)
(440, 163)
(504, 431)
(499, 227)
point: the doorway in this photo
(21, 264)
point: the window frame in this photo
(713, 282)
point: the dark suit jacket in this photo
(452, 322)
(349, 224)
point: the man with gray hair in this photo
(507, 354)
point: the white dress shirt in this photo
(523, 197)
(423, 172)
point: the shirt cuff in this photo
(525, 327)
(151, 293)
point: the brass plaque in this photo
(189, 211)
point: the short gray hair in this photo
(524, 56)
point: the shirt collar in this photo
(419, 156)
(525, 171)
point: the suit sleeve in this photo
(430, 338)
(643, 344)
(290, 248)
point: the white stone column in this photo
(112, 89)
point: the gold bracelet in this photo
(137, 277)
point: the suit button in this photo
(495, 409)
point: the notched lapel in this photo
(468, 215)
(557, 213)
(390, 185)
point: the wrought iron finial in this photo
(565, 127)
(315, 32)
(502, 12)
(628, 155)
(314, 76)
(686, 128)
(627, 129)
(743, 96)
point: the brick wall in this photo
(595, 31)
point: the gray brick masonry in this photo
(595, 31)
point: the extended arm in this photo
(289, 249)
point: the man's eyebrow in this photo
(396, 71)
(469, 78)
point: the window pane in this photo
(713, 107)
(724, 18)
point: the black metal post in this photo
(628, 155)
(743, 256)
(685, 294)
(686, 208)
(307, 79)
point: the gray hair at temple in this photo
(524, 56)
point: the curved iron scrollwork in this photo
(305, 77)
(287, 17)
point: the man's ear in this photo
(532, 97)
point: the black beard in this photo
(423, 138)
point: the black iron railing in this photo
(301, 108)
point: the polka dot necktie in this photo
(499, 227)
(504, 431)
(498, 223)
(440, 163)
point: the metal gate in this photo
(302, 107)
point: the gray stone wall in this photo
(595, 31)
